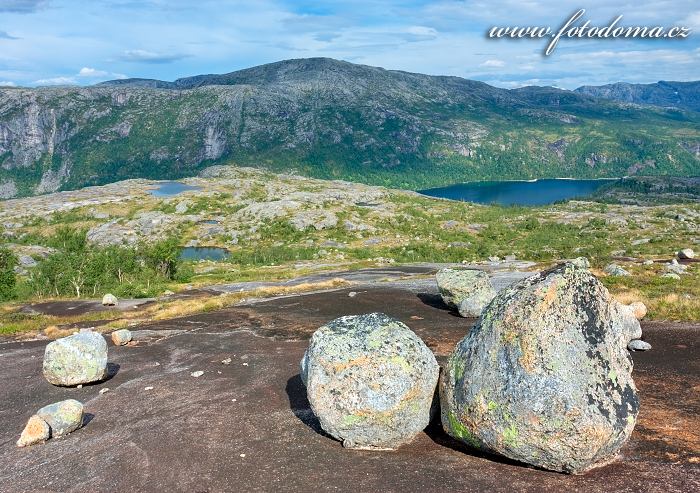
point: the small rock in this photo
(77, 359)
(148, 388)
(36, 431)
(615, 270)
(469, 291)
(509, 258)
(581, 262)
(686, 253)
(109, 300)
(671, 275)
(641, 241)
(104, 391)
(370, 381)
(63, 417)
(226, 361)
(121, 337)
(352, 294)
(28, 261)
(638, 345)
(639, 309)
(648, 262)
(675, 268)
(494, 259)
(197, 374)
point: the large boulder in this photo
(468, 291)
(370, 381)
(77, 359)
(544, 377)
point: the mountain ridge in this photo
(331, 119)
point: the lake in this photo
(540, 192)
(204, 253)
(170, 188)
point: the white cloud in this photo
(7, 83)
(495, 63)
(145, 56)
(93, 73)
(692, 21)
(56, 81)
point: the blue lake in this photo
(204, 253)
(540, 192)
(170, 188)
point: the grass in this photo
(666, 299)
(13, 322)
(407, 227)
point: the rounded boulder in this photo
(544, 377)
(370, 381)
(76, 360)
(468, 291)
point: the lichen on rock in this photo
(370, 381)
(545, 376)
(466, 290)
(77, 359)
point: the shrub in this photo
(80, 269)
(8, 280)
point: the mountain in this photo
(683, 95)
(331, 119)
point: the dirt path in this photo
(247, 426)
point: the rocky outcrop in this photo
(76, 360)
(545, 375)
(370, 381)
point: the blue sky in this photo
(45, 42)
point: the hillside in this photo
(330, 119)
(682, 95)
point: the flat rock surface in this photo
(188, 434)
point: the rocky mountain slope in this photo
(330, 119)
(683, 95)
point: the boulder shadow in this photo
(87, 417)
(435, 301)
(437, 434)
(299, 404)
(112, 370)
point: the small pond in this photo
(170, 188)
(204, 253)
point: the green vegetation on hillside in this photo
(335, 120)
(79, 269)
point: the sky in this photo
(82, 42)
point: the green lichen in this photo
(399, 361)
(352, 419)
(460, 431)
(491, 406)
(457, 365)
(510, 435)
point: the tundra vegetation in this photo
(121, 239)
